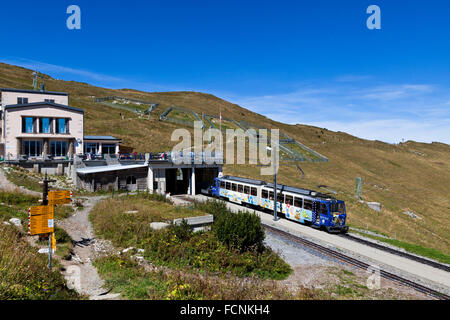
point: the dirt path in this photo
(80, 272)
(6, 185)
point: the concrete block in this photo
(374, 206)
(158, 225)
(60, 169)
(36, 168)
(197, 221)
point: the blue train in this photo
(301, 205)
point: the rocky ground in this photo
(79, 270)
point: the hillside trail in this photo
(6, 185)
(80, 273)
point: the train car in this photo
(238, 190)
(297, 204)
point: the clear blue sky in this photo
(312, 62)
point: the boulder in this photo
(374, 206)
(16, 221)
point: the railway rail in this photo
(432, 263)
(357, 263)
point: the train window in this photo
(308, 204)
(270, 195)
(240, 188)
(280, 197)
(228, 186)
(298, 202)
(323, 209)
(233, 187)
(341, 207)
(222, 184)
(289, 200)
(246, 189)
(254, 192)
(265, 194)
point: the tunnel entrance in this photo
(204, 177)
(177, 180)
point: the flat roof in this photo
(34, 91)
(100, 138)
(114, 167)
(42, 104)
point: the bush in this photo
(213, 207)
(182, 230)
(242, 231)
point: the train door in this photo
(316, 213)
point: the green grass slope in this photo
(410, 176)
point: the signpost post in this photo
(41, 218)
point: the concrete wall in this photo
(114, 180)
(13, 129)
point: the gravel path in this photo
(6, 185)
(80, 272)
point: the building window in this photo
(58, 148)
(108, 148)
(49, 100)
(131, 180)
(32, 148)
(62, 126)
(28, 125)
(45, 125)
(22, 100)
(91, 148)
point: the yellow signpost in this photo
(59, 197)
(41, 220)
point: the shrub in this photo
(242, 231)
(213, 207)
(182, 230)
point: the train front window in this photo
(341, 207)
(324, 209)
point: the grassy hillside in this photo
(410, 176)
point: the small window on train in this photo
(289, 200)
(323, 209)
(246, 189)
(228, 186)
(308, 204)
(233, 187)
(298, 202)
(280, 197)
(265, 194)
(270, 195)
(254, 191)
(240, 188)
(222, 184)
